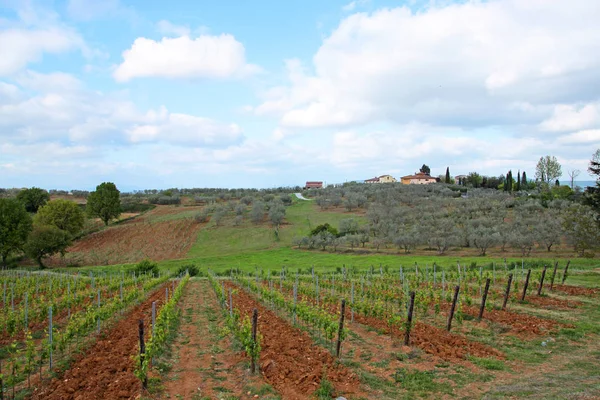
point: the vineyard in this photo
(424, 330)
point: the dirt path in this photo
(205, 366)
(106, 370)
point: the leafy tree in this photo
(46, 240)
(548, 169)
(15, 225)
(425, 169)
(105, 202)
(63, 214)
(33, 198)
(474, 179)
(447, 179)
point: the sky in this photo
(155, 94)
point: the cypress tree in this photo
(518, 181)
(447, 174)
(509, 181)
(524, 180)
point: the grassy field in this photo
(251, 246)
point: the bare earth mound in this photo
(152, 236)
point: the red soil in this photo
(576, 290)
(106, 370)
(432, 340)
(552, 302)
(289, 360)
(135, 240)
(520, 324)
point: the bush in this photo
(190, 269)
(324, 228)
(146, 267)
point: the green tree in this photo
(447, 180)
(425, 169)
(63, 214)
(518, 187)
(46, 240)
(104, 203)
(33, 198)
(15, 225)
(524, 180)
(548, 169)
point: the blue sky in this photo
(160, 94)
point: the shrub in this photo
(146, 267)
(190, 269)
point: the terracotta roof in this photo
(418, 175)
(376, 179)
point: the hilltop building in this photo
(313, 185)
(382, 179)
(419, 178)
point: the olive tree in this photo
(15, 225)
(581, 228)
(276, 215)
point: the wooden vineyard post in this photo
(142, 349)
(507, 293)
(542, 280)
(230, 304)
(411, 306)
(254, 323)
(564, 278)
(50, 334)
(340, 330)
(454, 300)
(352, 303)
(553, 275)
(484, 298)
(526, 284)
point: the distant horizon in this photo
(583, 184)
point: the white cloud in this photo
(186, 130)
(167, 28)
(62, 109)
(184, 57)
(588, 136)
(23, 46)
(572, 117)
(461, 64)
